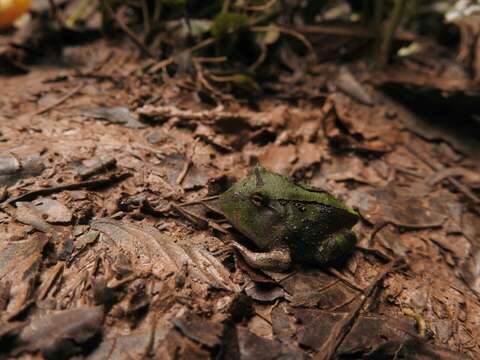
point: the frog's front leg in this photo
(274, 260)
(334, 247)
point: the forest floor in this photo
(100, 257)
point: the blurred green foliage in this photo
(226, 23)
(253, 36)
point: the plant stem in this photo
(386, 44)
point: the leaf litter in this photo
(96, 264)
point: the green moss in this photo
(227, 23)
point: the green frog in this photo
(289, 222)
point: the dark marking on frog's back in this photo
(329, 220)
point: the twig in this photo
(197, 219)
(378, 7)
(53, 9)
(149, 352)
(203, 81)
(386, 44)
(377, 253)
(225, 5)
(184, 171)
(352, 31)
(344, 279)
(297, 35)
(127, 31)
(457, 184)
(58, 102)
(55, 189)
(262, 7)
(146, 18)
(197, 202)
(261, 58)
(205, 116)
(51, 280)
(159, 66)
(216, 59)
(188, 164)
(342, 328)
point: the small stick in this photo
(30, 195)
(299, 36)
(351, 31)
(389, 32)
(128, 32)
(187, 166)
(196, 202)
(342, 328)
(159, 66)
(344, 279)
(51, 281)
(198, 218)
(460, 187)
(59, 101)
(184, 172)
(262, 7)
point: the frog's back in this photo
(283, 188)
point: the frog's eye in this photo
(258, 199)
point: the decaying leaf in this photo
(252, 347)
(26, 213)
(96, 165)
(174, 164)
(228, 85)
(348, 84)
(115, 115)
(135, 343)
(150, 250)
(14, 168)
(390, 205)
(59, 335)
(53, 211)
(18, 257)
(20, 262)
(200, 330)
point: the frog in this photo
(289, 222)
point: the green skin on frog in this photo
(288, 222)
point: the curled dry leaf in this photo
(349, 85)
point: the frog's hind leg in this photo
(336, 246)
(274, 260)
